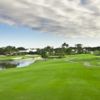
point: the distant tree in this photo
(56, 51)
(62, 51)
(9, 50)
(17, 50)
(64, 47)
(79, 48)
(69, 51)
(38, 51)
(52, 50)
(44, 54)
(1, 51)
(48, 49)
(30, 52)
(21, 48)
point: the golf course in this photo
(54, 79)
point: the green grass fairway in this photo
(51, 80)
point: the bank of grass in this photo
(54, 79)
(23, 56)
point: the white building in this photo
(91, 52)
(28, 50)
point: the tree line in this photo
(64, 49)
(11, 50)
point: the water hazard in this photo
(15, 64)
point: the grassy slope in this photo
(51, 80)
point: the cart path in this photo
(84, 63)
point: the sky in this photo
(41, 23)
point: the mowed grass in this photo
(54, 79)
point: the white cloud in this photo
(66, 18)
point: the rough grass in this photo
(51, 80)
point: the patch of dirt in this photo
(88, 64)
(84, 63)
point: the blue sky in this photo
(37, 24)
(23, 36)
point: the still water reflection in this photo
(15, 64)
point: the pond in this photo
(55, 57)
(15, 64)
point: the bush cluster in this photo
(63, 56)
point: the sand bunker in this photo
(18, 58)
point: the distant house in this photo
(75, 50)
(53, 52)
(28, 50)
(91, 52)
(47, 53)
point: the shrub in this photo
(63, 56)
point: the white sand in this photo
(18, 58)
(31, 55)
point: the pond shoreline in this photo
(18, 63)
(35, 58)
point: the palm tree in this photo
(52, 50)
(64, 46)
(79, 48)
